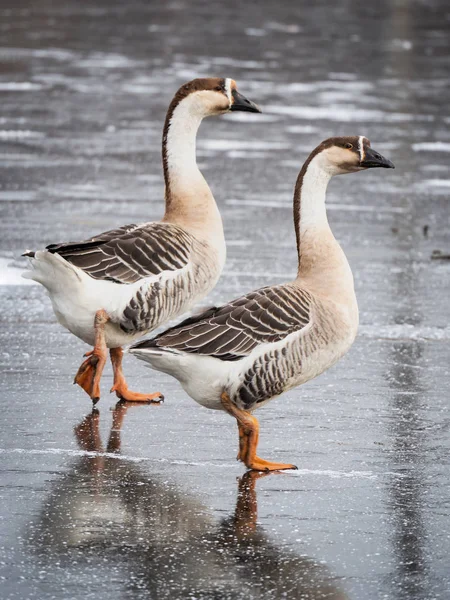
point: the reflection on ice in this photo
(152, 540)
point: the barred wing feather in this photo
(233, 330)
(130, 253)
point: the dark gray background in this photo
(84, 88)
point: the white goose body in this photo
(241, 355)
(140, 276)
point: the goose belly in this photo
(76, 312)
(203, 378)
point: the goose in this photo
(112, 288)
(238, 356)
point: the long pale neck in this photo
(320, 258)
(189, 200)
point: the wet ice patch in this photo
(301, 129)
(231, 62)
(269, 275)
(432, 147)
(283, 27)
(106, 61)
(348, 114)
(30, 161)
(270, 203)
(239, 243)
(67, 452)
(435, 183)
(54, 53)
(17, 196)
(258, 203)
(333, 474)
(12, 134)
(397, 44)
(252, 31)
(224, 145)
(246, 154)
(405, 332)
(139, 88)
(19, 86)
(435, 187)
(442, 168)
(121, 457)
(349, 87)
(158, 27)
(336, 474)
(251, 117)
(396, 210)
(12, 275)
(343, 76)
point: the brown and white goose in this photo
(240, 355)
(114, 287)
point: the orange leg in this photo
(120, 384)
(243, 443)
(90, 372)
(250, 431)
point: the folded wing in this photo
(130, 253)
(233, 330)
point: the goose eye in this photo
(218, 88)
(348, 146)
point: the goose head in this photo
(213, 96)
(350, 154)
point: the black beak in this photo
(240, 102)
(372, 159)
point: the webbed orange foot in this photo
(89, 375)
(90, 372)
(120, 383)
(126, 394)
(258, 464)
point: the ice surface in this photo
(149, 502)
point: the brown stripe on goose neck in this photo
(195, 85)
(334, 141)
(298, 193)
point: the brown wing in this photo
(129, 253)
(232, 331)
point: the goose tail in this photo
(50, 270)
(162, 359)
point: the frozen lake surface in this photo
(149, 502)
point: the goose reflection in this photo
(154, 541)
